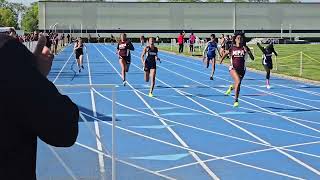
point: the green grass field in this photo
(288, 60)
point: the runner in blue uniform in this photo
(209, 53)
(149, 64)
(267, 60)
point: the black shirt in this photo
(30, 107)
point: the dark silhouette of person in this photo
(31, 107)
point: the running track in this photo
(189, 130)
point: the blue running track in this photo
(189, 130)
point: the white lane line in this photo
(189, 149)
(294, 88)
(64, 165)
(53, 151)
(205, 113)
(264, 109)
(246, 153)
(295, 97)
(124, 162)
(96, 124)
(241, 128)
(267, 92)
(273, 147)
(271, 102)
(182, 142)
(62, 68)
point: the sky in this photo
(30, 1)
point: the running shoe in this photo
(150, 95)
(79, 70)
(124, 83)
(228, 92)
(82, 67)
(211, 78)
(268, 86)
(236, 104)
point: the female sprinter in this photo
(237, 67)
(78, 50)
(267, 60)
(150, 64)
(209, 53)
(124, 47)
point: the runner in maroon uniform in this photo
(124, 47)
(237, 67)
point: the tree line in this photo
(19, 16)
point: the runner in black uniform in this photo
(78, 50)
(267, 60)
(237, 67)
(149, 64)
(124, 47)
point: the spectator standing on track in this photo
(56, 43)
(181, 41)
(142, 40)
(158, 40)
(62, 40)
(192, 40)
(68, 38)
(31, 107)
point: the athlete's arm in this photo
(157, 58)
(131, 47)
(223, 57)
(249, 52)
(142, 55)
(205, 50)
(261, 48)
(75, 47)
(275, 53)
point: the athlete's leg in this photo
(267, 76)
(153, 80)
(147, 75)
(237, 81)
(213, 68)
(123, 65)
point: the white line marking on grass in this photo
(96, 124)
(64, 165)
(124, 162)
(182, 142)
(239, 127)
(189, 149)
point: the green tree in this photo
(31, 18)
(149, 0)
(184, 0)
(215, 1)
(288, 1)
(7, 18)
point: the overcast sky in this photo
(29, 1)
